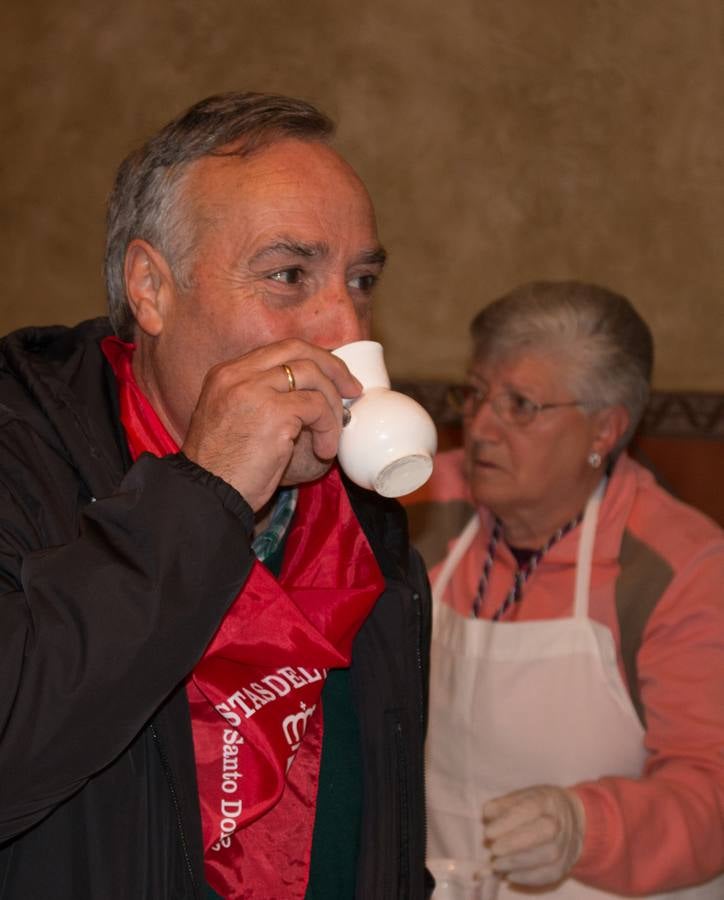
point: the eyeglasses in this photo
(511, 407)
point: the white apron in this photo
(515, 704)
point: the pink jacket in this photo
(658, 585)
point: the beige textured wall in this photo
(501, 139)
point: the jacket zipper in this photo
(418, 615)
(403, 885)
(177, 809)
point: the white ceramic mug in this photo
(463, 879)
(390, 440)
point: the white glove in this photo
(535, 835)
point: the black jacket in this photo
(113, 578)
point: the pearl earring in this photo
(594, 459)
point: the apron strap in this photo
(453, 558)
(584, 559)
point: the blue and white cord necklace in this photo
(522, 572)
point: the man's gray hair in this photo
(147, 197)
(602, 343)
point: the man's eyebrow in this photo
(375, 257)
(291, 248)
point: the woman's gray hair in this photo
(147, 201)
(603, 343)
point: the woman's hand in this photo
(535, 836)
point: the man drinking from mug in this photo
(213, 648)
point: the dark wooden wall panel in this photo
(681, 439)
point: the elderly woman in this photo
(576, 726)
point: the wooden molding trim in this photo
(683, 414)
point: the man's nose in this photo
(337, 319)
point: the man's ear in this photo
(149, 285)
(611, 425)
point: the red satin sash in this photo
(255, 694)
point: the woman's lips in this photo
(485, 464)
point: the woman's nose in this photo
(484, 422)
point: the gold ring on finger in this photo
(290, 377)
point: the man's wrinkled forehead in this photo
(301, 184)
(285, 161)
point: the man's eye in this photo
(364, 283)
(288, 276)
